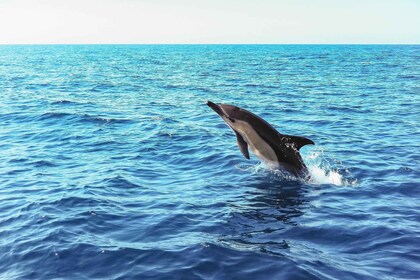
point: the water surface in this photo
(112, 166)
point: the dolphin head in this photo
(229, 113)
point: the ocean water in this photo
(113, 167)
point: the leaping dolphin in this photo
(275, 149)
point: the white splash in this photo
(324, 170)
(321, 176)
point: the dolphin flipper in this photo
(243, 146)
(298, 141)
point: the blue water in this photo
(113, 167)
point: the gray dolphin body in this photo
(275, 149)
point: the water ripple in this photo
(113, 166)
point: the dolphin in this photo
(277, 150)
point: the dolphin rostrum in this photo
(275, 149)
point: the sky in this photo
(209, 21)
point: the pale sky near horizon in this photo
(209, 21)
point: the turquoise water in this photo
(113, 167)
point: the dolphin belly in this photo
(256, 144)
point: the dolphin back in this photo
(297, 141)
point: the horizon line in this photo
(197, 44)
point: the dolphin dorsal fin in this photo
(298, 141)
(243, 146)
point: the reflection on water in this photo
(270, 207)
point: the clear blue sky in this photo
(210, 21)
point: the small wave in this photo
(55, 115)
(102, 87)
(71, 202)
(408, 77)
(249, 167)
(104, 120)
(43, 163)
(119, 182)
(349, 109)
(84, 118)
(63, 102)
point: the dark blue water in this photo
(113, 167)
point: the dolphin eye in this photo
(232, 120)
